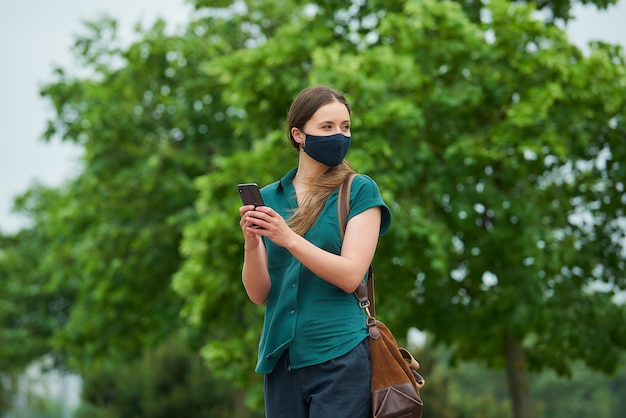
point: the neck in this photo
(308, 168)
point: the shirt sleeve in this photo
(364, 194)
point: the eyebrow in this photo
(330, 121)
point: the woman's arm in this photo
(345, 271)
(254, 275)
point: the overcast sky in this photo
(36, 35)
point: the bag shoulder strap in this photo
(343, 202)
(364, 294)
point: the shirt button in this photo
(293, 312)
(293, 285)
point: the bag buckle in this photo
(365, 305)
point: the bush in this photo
(169, 382)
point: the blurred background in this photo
(125, 124)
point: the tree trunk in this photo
(517, 377)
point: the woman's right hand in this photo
(251, 239)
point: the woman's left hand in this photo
(270, 224)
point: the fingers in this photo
(262, 213)
(256, 220)
(244, 209)
(245, 222)
(260, 220)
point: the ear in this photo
(298, 136)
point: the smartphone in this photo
(250, 194)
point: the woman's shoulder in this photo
(365, 183)
(364, 194)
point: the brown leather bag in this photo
(395, 382)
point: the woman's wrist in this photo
(249, 246)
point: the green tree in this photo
(148, 127)
(490, 140)
(149, 123)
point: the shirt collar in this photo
(287, 180)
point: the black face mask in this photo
(329, 150)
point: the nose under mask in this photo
(329, 150)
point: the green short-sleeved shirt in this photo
(312, 318)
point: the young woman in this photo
(314, 349)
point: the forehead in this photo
(333, 111)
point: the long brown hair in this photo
(318, 189)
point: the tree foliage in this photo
(554, 10)
(148, 128)
(496, 143)
(487, 143)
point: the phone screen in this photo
(250, 194)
